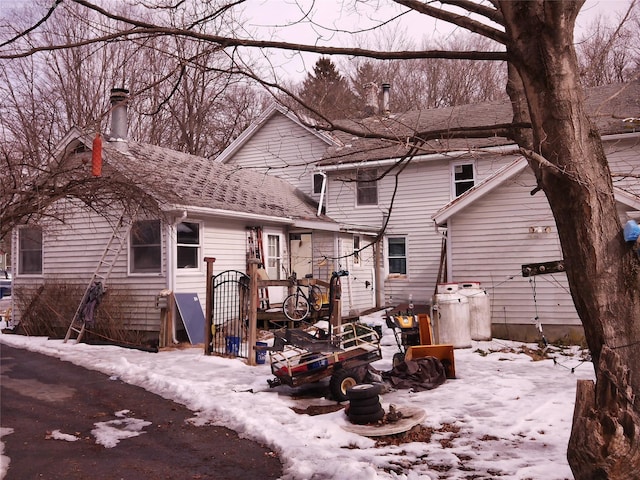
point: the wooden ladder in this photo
(100, 275)
(256, 251)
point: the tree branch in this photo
(456, 19)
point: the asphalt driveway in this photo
(54, 407)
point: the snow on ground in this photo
(505, 415)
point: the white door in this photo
(273, 248)
(301, 253)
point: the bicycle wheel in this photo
(315, 298)
(295, 307)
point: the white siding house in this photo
(280, 144)
(414, 201)
(206, 209)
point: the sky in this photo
(303, 17)
(504, 415)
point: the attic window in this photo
(463, 177)
(317, 183)
(367, 187)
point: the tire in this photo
(295, 307)
(365, 390)
(315, 298)
(364, 410)
(362, 419)
(364, 402)
(398, 359)
(341, 381)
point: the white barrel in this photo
(451, 314)
(479, 309)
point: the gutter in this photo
(232, 214)
(502, 150)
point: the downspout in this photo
(322, 191)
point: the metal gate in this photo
(229, 322)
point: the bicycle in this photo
(298, 305)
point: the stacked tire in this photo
(364, 404)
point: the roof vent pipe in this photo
(119, 121)
(386, 87)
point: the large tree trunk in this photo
(602, 270)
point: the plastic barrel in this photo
(479, 309)
(261, 355)
(451, 312)
(232, 345)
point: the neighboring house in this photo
(453, 210)
(208, 210)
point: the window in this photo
(356, 250)
(30, 250)
(188, 240)
(397, 254)
(274, 257)
(367, 187)
(146, 247)
(463, 177)
(317, 183)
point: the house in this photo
(206, 209)
(281, 144)
(456, 210)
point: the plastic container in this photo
(451, 313)
(479, 310)
(232, 345)
(261, 355)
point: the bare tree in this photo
(564, 150)
(609, 53)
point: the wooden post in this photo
(208, 334)
(253, 310)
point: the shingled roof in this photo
(177, 178)
(608, 106)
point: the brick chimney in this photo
(371, 98)
(119, 121)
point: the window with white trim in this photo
(30, 250)
(146, 247)
(463, 177)
(318, 178)
(397, 255)
(367, 187)
(356, 249)
(188, 245)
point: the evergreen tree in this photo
(327, 92)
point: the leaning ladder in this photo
(101, 274)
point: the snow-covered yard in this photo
(505, 416)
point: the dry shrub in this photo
(47, 310)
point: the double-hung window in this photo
(188, 241)
(463, 177)
(367, 187)
(318, 179)
(30, 251)
(146, 247)
(397, 255)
